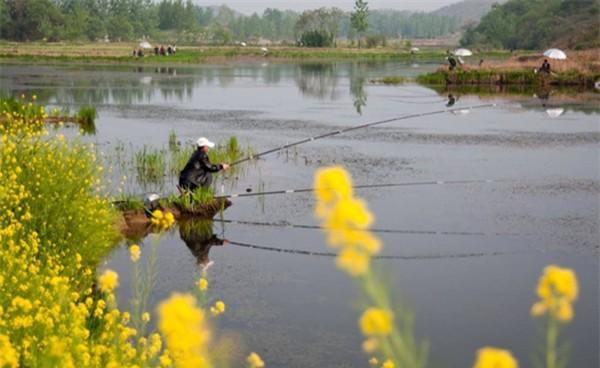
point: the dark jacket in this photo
(197, 171)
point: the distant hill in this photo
(538, 24)
(468, 11)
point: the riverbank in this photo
(122, 53)
(581, 69)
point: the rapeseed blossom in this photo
(255, 361)
(135, 252)
(218, 308)
(162, 220)
(202, 284)
(108, 281)
(182, 324)
(376, 322)
(489, 357)
(346, 220)
(557, 290)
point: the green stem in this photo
(551, 338)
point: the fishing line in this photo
(362, 126)
(373, 230)
(388, 185)
(331, 254)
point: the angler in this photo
(198, 170)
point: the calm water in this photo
(469, 256)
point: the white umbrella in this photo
(414, 49)
(462, 52)
(243, 44)
(555, 54)
(145, 45)
(555, 112)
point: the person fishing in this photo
(545, 68)
(198, 170)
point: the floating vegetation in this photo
(391, 80)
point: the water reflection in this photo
(318, 80)
(198, 235)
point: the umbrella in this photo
(555, 112)
(243, 44)
(414, 49)
(462, 52)
(555, 54)
(145, 45)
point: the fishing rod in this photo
(373, 230)
(388, 185)
(382, 257)
(362, 126)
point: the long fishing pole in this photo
(396, 257)
(373, 230)
(362, 126)
(388, 185)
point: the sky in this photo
(250, 6)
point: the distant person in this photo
(451, 61)
(169, 50)
(545, 68)
(134, 52)
(162, 50)
(156, 50)
(480, 63)
(451, 100)
(198, 170)
(140, 53)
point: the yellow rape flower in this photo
(354, 262)
(183, 327)
(218, 308)
(376, 322)
(557, 290)
(135, 252)
(162, 220)
(388, 364)
(373, 362)
(489, 357)
(108, 281)
(255, 361)
(145, 316)
(202, 284)
(8, 355)
(331, 185)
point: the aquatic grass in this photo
(86, 118)
(391, 80)
(150, 165)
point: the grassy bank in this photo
(122, 53)
(580, 69)
(508, 77)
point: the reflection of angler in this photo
(199, 238)
(451, 100)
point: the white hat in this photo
(202, 141)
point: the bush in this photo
(317, 38)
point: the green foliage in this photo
(86, 118)
(317, 38)
(374, 40)
(150, 164)
(537, 24)
(359, 18)
(178, 20)
(319, 26)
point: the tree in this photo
(359, 18)
(322, 24)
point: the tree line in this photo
(537, 24)
(184, 21)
